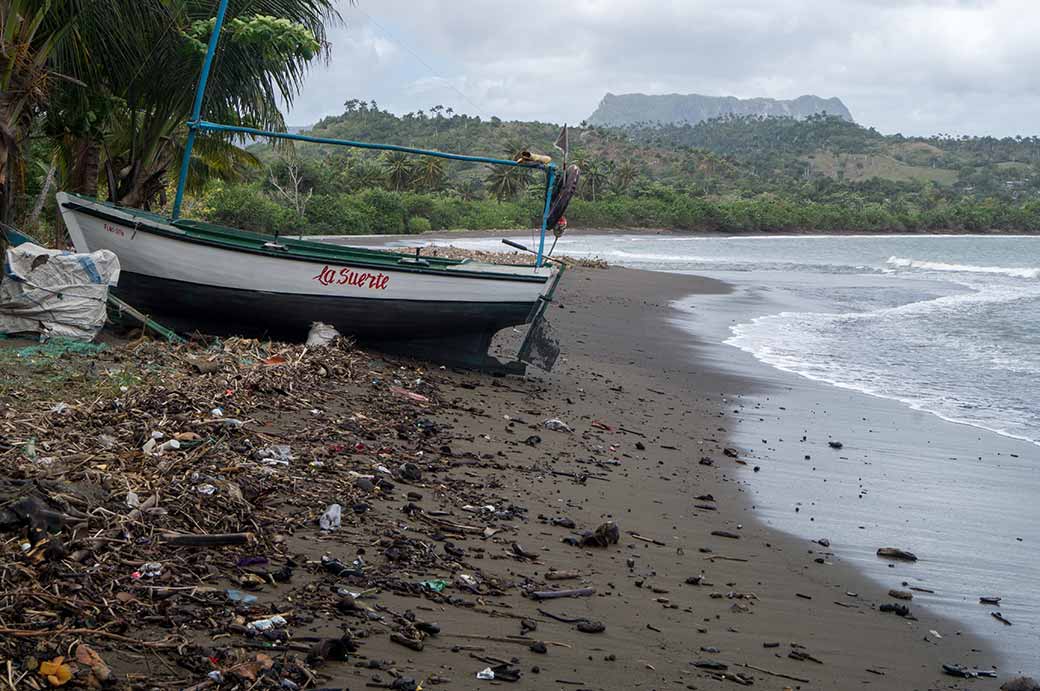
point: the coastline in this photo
(494, 234)
(903, 475)
(628, 367)
(700, 592)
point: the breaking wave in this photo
(1015, 272)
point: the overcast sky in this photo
(910, 66)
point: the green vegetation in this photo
(733, 175)
(94, 96)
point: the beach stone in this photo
(895, 608)
(901, 594)
(823, 542)
(835, 444)
(409, 472)
(896, 553)
(1020, 684)
(603, 536)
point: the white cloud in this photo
(917, 66)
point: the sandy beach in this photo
(697, 592)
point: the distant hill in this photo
(619, 110)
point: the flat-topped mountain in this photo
(630, 109)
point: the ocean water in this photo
(882, 342)
(945, 324)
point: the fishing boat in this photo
(202, 277)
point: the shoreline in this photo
(901, 470)
(789, 586)
(699, 591)
(462, 234)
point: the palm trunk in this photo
(86, 164)
(41, 199)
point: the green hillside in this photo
(732, 174)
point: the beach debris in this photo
(1001, 618)
(705, 460)
(726, 534)
(966, 673)
(55, 671)
(276, 454)
(581, 623)
(730, 452)
(1020, 684)
(332, 519)
(604, 535)
(209, 539)
(87, 656)
(710, 664)
(152, 569)
(556, 594)
(823, 542)
(896, 608)
(267, 624)
(803, 656)
(321, 335)
(901, 594)
(835, 444)
(239, 596)
(556, 425)
(415, 643)
(990, 600)
(411, 395)
(409, 472)
(896, 553)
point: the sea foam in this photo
(924, 265)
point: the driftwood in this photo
(212, 540)
(554, 594)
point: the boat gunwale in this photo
(345, 256)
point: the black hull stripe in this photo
(229, 311)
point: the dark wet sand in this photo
(627, 367)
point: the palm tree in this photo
(593, 176)
(144, 57)
(624, 176)
(29, 34)
(429, 173)
(507, 182)
(399, 168)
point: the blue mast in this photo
(196, 111)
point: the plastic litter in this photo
(321, 335)
(279, 454)
(152, 569)
(332, 518)
(56, 293)
(557, 425)
(434, 585)
(486, 674)
(267, 624)
(239, 596)
(206, 488)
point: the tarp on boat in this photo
(55, 293)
